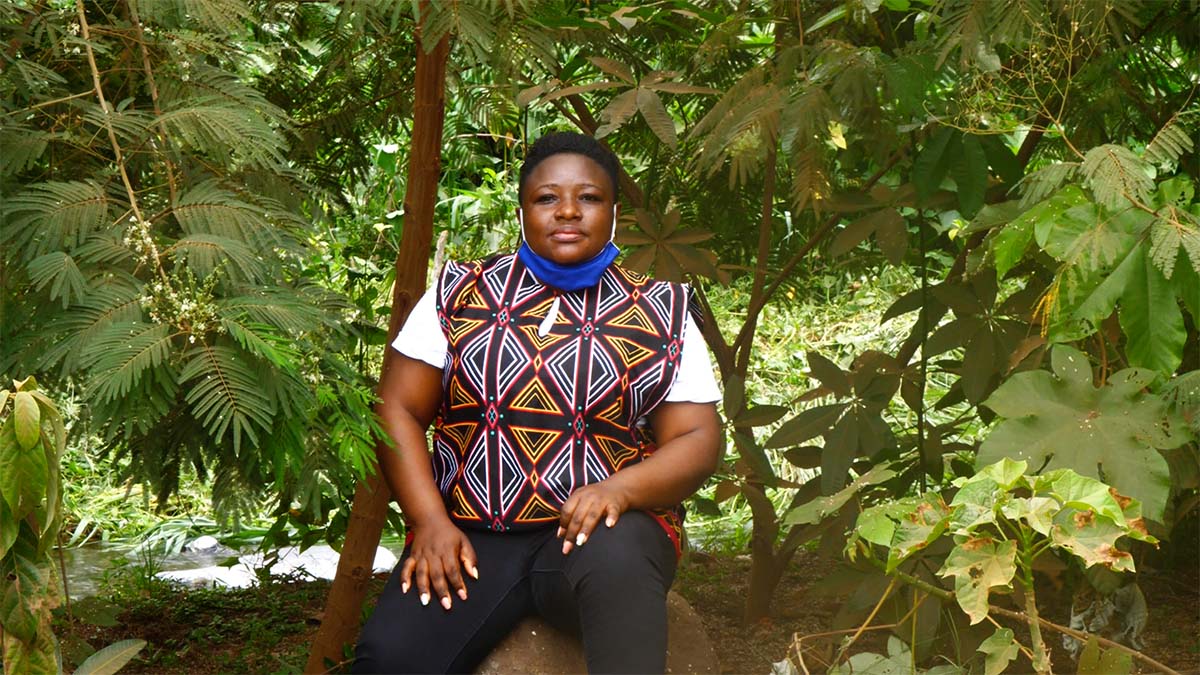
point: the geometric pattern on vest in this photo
(527, 418)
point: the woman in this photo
(573, 410)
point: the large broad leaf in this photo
(656, 115)
(26, 420)
(979, 565)
(1092, 537)
(1061, 420)
(1151, 320)
(971, 175)
(22, 471)
(111, 659)
(933, 162)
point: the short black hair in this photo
(559, 142)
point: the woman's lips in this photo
(566, 236)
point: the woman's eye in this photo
(543, 199)
(591, 198)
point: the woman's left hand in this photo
(584, 509)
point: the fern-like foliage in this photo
(210, 209)
(1171, 142)
(223, 391)
(1174, 229)
(58, 271)
(122, 354)
(1116, 175)
(217, 15)
(1044, 182)
(53, 216)
(206, 253)
(213, 127)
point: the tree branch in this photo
(148, 240)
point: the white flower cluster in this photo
(184, 304)
(141, 242)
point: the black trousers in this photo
(611, 592)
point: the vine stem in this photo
(1021, 616)
(85, 33)
(162, 128)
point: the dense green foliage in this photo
(202, 201)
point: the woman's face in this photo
(567, 208)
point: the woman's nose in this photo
(567, 209)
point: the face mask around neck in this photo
(571, 277)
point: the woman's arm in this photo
(688, 437)
(410, 394)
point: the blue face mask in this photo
(569, 277)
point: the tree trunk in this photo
(368, 515)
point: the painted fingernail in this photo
(560, 532)
(446, 602)
(474, 572)
(424, 598)
(581, 539)
(610, 521)
(404, 587)
(462, 593)
(566, 547)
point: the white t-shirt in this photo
(422, 339)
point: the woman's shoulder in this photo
(645, 281)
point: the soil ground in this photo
(268, 629)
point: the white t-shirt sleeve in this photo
(695, 382)
(422, 338)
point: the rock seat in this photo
(535, 647)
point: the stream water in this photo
(88, 566)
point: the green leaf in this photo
(971, 175)
(760, 415)
(808, 424)
(9, 527)
(1081, 492)
(1046, 214)
(917, 528)
(1150, 318)
(978, 565)
(1064, 422)
(829, 374)
(1006, 473)
(1098, 303)
(980, 364)
(1174, 229)
(1096, 661)
(22, 472)
(816, 510)
(932, 164)
(1009, 243)
(26, 420)
(111, 659)
(1037, 512)
(841, 447)
(59, 271)
(1092, 537)
(754, 456)
(1001, 648)
(1115, 175)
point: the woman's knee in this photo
(635, 548)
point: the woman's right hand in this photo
(438, 554)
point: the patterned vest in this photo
(528, 418)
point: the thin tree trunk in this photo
(369, 513)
